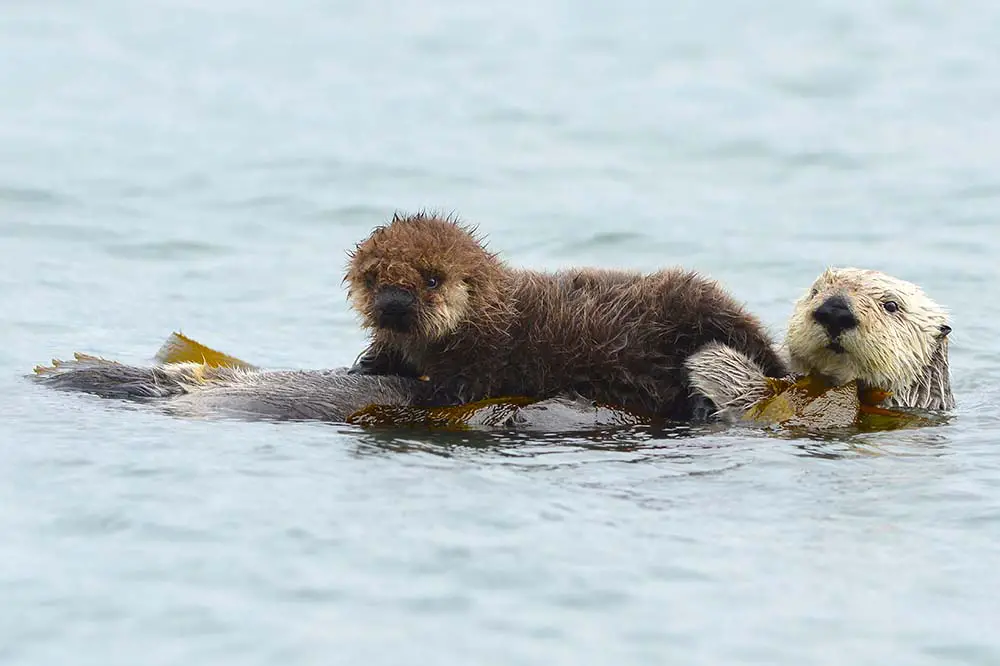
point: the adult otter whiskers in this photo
(851, 325)
(440, 305)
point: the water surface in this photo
(206, 166)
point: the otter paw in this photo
(374, 363)
(703, 410)
(365, 365)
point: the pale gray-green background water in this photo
(205, 166)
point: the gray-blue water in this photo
(205, 166)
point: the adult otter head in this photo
(422, 277)
(875, 328)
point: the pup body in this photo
(439, 305)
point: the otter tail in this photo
(110, 379)
(731, 380)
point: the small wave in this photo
(166, 250)
(33, 196)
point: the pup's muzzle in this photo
(394, 308)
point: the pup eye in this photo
(369, 281)
(890, 306)
(813, 292)
(432, 282)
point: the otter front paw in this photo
(367, 364)
(371, 362)
(703, 410)
(725, 378)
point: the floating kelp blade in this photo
(179, 348)
(485, 413)
(812, 403)
(808, 401)
(552, 415)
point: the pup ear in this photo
(945, 330)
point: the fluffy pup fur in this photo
(439, 305)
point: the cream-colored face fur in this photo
(898, 329)
(447, 312)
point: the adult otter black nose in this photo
(393, 308)
(835, 315)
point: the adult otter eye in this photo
(890, 306)
(432, 282)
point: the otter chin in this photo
(439, 305)
(852, 324)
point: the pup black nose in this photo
(394, 308)
(835, 316)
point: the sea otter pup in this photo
(851, 325)
(441, 306)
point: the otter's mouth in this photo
(395, 309)
(836, 347)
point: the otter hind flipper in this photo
(731, 380)
(199, 389)
(111, 379)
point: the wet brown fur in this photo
(486, 330)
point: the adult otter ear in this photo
(945, 330)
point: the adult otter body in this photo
(439, 305)
(902, 347)
(852, 325)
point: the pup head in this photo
(866, 325)
(422, 276)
